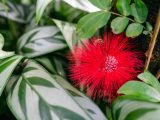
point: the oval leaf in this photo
(103, 4)
(150, 79)
(134, 30)
(127, 108)
(123, 7)
(119, 24)
(89, 24)
(139, 11)
(141, 90)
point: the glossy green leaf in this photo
(139, 11)
(40, 7)
(37, 95)
(123, 7)
(141, 90)
(69, 32)
(90, 23)
(119, 24)
(84, 5)
(7, 67)
(134, 30)
(129, 108)
(40, 41)
(150, 79)
(103, 4)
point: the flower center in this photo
(110, 64)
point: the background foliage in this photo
(33, 78)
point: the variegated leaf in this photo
(37, 96)
(84, 5)
(4, 54)
(41, 41)
(69, 32)
(7, 67)
(84, 101)
(40, 7)
(15, 12)
(129, 108)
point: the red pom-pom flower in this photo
(102, 66)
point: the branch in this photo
(153, 41)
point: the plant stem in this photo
(117, 14)
(158, 74)
(152, 42)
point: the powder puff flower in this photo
(102, 66)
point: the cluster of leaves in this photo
(101, 13)
(140, 100)
(33, 78)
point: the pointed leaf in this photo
(7, 67)
(43, 97)
(40, 41)
(40, 7)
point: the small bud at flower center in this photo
(110, 64)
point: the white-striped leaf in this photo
(129, 108)
(41, 41)
(40, 7)
(4, 54)
(84, 5)
(54, 64)
(37, 96)
(84, 101)
(69, 32)
(15, 12)
(7, 67)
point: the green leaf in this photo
(4, 54)
(40, 7)
(7, 67)
(134, 30)
(119, 24)
(103, 4)
(90, 23)
(69, 32)
(148, 28)
(129, 108)
(139, 11)
(150, 79)
(84, 5)
(123, 7)
(40, 41)
(141, 90)
(37, 95)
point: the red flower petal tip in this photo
(102, 66)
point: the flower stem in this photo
(152, 42)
